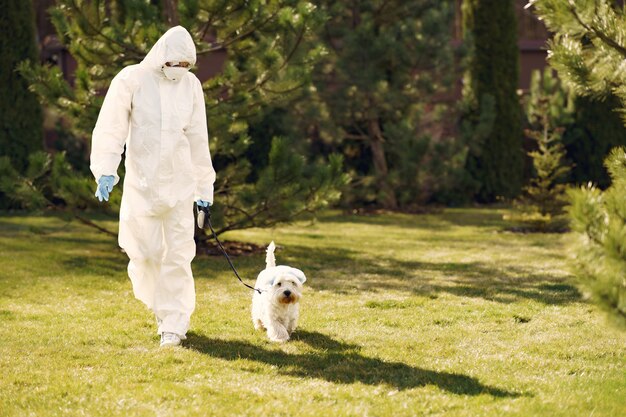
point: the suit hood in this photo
(175, 45)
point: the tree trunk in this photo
(170, 10)
(380, 165)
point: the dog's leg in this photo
(291, 326)
(257, 313)
(277, 332)
(293, 320)
(258, 324)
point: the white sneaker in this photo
(169, 339)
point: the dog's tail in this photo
(270, 260)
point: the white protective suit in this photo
(163, 125)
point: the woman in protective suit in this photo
(156, 110)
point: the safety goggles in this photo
(182, 64)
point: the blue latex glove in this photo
(105, 186)
(203, 203)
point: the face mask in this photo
(174, 73)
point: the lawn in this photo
(402, 315)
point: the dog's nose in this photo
(287, 293)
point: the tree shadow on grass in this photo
(404, 221)
(489, 282)
(110, 266)
(431, 220)
(323, 342)
(341, 271)
(341, 363)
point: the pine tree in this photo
(549, 109)
(588, 51)
(269, 57)
(373, 96)
(50, 183)
(20, 113)
(599, 218)
(497, 161)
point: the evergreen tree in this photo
(269, 57)
(588, 51)
(549, 108)
(20, 113)
(599, 218)
(497, 161)
(49, 182)
(373, 97)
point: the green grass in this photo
(401, 316)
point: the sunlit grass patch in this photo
(402, 315)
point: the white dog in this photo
(277, 307)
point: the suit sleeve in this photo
(198, 137)
(109, 135)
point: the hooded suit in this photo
(161, 123)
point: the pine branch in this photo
(224, 45)
(92, 224)
(593, 29)
(78, 11)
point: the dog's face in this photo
(286, 289)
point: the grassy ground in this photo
(402, 316)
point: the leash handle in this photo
(204, 218)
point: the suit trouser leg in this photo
(142, 239)
(161, 249)
(175, 295)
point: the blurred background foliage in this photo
(492, 73)
(549, 107)
(366, 96)
(376, 104)
(270, 51)
(20, 112)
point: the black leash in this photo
(204, 218)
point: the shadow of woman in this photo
(341, 363)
